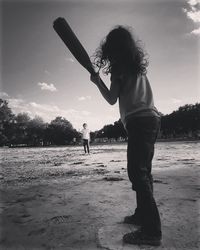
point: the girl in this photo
(121, 56)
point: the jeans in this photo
(142, 134)
(86, 146)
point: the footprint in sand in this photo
(187, 159)
(60, 219)
(78, 162)
(159, 181)
(37, 232)
(112, 178)
(25, 215)
(115, 161)
(188, 199)
(101, 166)
(21, 220)
(100, 171)
(25, 199)
(57, 164)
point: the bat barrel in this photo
(71, 41)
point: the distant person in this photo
(120, 56)
(86, 138)
(74, 141)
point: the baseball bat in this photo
(63, 29)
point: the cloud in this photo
(15, 103)
(84, 98)
(174, 100)
(44, 107)
(47, 72)
(196, 31)
(3, 95)
(46, 86)
(69, 59)
(85, 113)
(49, 112)
(193, 2)
(193, 13)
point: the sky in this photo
(41, 77)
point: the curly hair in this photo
(119, 53)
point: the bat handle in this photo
(91, 70)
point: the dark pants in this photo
(142, 134)
(86, 146)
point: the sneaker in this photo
(139, 238)
(133, 219)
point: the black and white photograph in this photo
(99, 124)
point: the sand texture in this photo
(60, 198)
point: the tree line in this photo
(21, 130)
(183, 123)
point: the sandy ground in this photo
(59, 198)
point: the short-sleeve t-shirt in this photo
(135, 97)
(85, 134)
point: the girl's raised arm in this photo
(110, 95)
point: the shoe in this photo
(139, 238)
(133, 219)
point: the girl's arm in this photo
(110, 95)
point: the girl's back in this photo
(135, 96)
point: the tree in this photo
(112, 131)
(182, 121)
(23, 119)
(119, 130)
(6, 120)
(108, 131)
(61, 131)
(36, 131)
(6, 114)
(21, 129)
